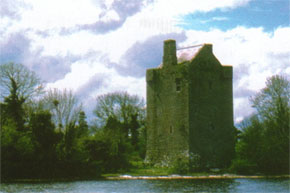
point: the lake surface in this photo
(125, 186)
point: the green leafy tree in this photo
(134, 125)
(17, 151)
(97, 151)
(108, 148)
(82, 128)
(13, 110)
(264, 141)
(273, 107)
(119, 105)
(122, 118)
(43, 131)
(127, 109)
(248, 147)
(119, 146)
(45, 140)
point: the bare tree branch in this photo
(26, 83)
(64, 106)
(119, 105)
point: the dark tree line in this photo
(44, 134)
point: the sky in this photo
(94, 47)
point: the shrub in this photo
(194, 162)
(180, 165)
(242, 166)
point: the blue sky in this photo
(93, 47)
(269, 14)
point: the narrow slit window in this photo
(178, 84)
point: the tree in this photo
(120, 106)
(17, 151)
(17, 85)
(273, 104)
(19, 80)
(13, 110)
(43, 130)
(121, 120)
(64, 107)
(264, 141)
(82, 128)
(118, 144)
(248, 146)
(273, 107)
(134, 125)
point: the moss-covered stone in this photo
(190, 109)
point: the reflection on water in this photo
(212, 185)
(122, 186)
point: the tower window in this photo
(178, 84)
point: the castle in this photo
(190, 108)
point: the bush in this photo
(195, 162)
(241, 166)
(181, 164)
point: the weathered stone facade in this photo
(190, 108)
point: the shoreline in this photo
(161, 177)
(179, 177)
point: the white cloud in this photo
(214, 19)
(45, 15)
(83, 71)
(174, 8)
(220, 18)
(99, 35)
(254, 54)
(251, 51)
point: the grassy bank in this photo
(142, 171)
(155, 171)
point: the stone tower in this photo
(190, 108)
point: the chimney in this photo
(169, 53)
(208, 47)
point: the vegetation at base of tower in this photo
(263, 144)
(46, 135)
(184, 164)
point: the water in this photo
(125, 186)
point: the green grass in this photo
(141, 172)
(153, 171)
(140, 169)
(149, 172)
